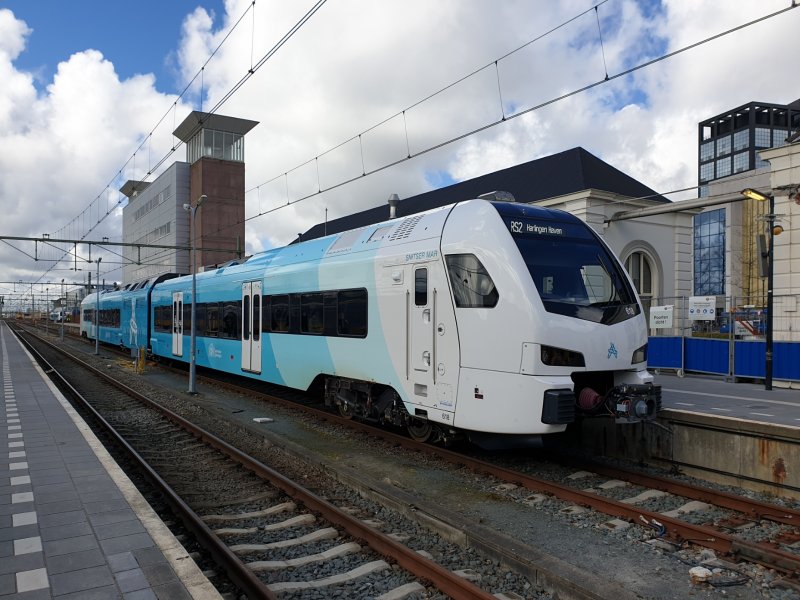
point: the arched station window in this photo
(640, 267)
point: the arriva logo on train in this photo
(427, 254)
(520, 227)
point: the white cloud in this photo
(356, 63)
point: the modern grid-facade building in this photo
(726, 259)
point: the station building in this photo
(727, 260)
(156, 213)
(656, 249)
(750, 146)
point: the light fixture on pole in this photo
(97, 312)
(770, 217)
(193, 337)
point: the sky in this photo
(92, 90)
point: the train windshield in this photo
(573, 271)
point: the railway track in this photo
(673, 513)
(272, 537)
(737, 526)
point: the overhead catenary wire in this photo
(485, 126)
(250, 72)
(410, 155)
(607, 78)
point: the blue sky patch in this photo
(439, 179)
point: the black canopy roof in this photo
(556, 175)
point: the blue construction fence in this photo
(735, 358)
(732, 343)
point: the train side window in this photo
(311, 314)
(280, 313)
(212, 319)
(231, 320)
(329, 309)
(187, 317)
(109, 317)
(294, 313)
(200, 313)
(256, 317)
(266, 310)
(246, 317)
(163, 319)
(472, 285)
(421, 287)
(352, 313)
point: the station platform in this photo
(720, 397)
(72, 525)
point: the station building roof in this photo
(548, 177)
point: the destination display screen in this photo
(544, 228)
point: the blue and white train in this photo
(479, 319)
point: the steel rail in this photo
(238, 572)
(748, 506)
(678, 530)
(421, 567)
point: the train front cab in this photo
(528, 349)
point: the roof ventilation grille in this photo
(405, 228)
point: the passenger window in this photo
(421, 287)
(200, 327)
(265, 321)
(187, 317)
(256, 317)
(231, 321)
(212, 319)
(472, 285)
(311, 315)
(352, 313)
(246, 317)
(280, 314)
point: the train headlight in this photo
(639, 355)
(559, 357)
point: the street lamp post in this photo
(46, 311)
(193, 337)
(756, 195)
(97, 312)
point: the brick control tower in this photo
(215, 153)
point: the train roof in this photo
(397, 230)
(130, 288)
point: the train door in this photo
(420, 334)
(251, 326)
(177, 323)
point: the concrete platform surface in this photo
(72, 525)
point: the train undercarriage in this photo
(381, 404)
(593, 395)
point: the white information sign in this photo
(702, 308)
(661, 317)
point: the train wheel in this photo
(420, 430)
(344, 410)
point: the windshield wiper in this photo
(614, 284)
